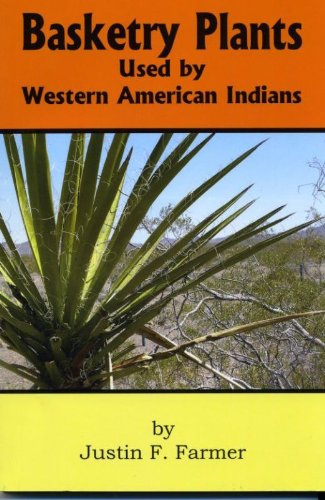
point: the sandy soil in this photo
(9, 380)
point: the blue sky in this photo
(279, 170)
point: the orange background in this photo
(302, 69)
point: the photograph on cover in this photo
(162, 261)
(245, 496)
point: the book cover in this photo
(162, 247)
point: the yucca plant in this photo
(74, 331)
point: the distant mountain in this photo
(24, 248)
(318, 230)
